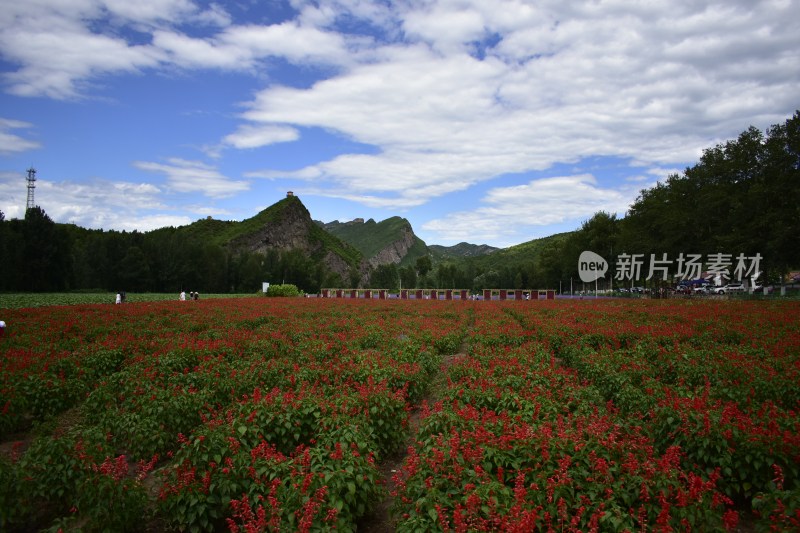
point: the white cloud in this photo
(448, 29)
(289, 40)
(305, 174)
(510, 214)
(207, 211)
(61, 47)
(139, 222)
(249, 136)
(11, 143)
(215, 15)
(13, 194)
(190, 52)
(100, 204)
(373, 201)
(150, 11)
(57, 53)
(194, 176)
(554, 83)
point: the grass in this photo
(39, 299)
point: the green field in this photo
(20, 300)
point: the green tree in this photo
(446, 275)
(299, 269)
(487, 280)
(408, 277)
(250, 274)
(774, 200)
(355, 277)
(134, 271)
(332, 279)
(741, 197)
(552, 265)
(46, 260)
(5, 253)
(423, 265)
(385, 277)
(213, 268)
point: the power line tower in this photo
(31, 179)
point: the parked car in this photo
(731, 287)
(703, 289)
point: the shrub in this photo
(284, 290)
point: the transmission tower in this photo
(31, 179)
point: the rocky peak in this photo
(287, 225)
(395, 251)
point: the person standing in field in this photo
(183, 296)
(2, 328)
(119, 298)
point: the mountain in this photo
(282, 227)
(389, 241)
(460, 250)
(520, 253)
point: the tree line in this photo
(741, 198)
(40, 255)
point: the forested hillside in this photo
(208, 255)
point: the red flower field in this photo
(256, 414)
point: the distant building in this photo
(289, 193)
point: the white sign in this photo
(264, 287)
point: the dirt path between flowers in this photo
(380, 519)
(17, 443)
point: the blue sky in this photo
(490, 122)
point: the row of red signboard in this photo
(441, 294)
